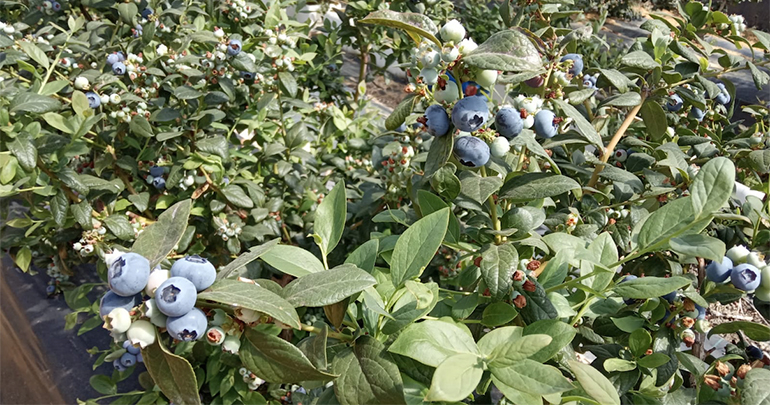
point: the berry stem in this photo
(610, 149)
(333, 335)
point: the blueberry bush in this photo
(538, 221)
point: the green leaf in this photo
(141, 201)
(618, 79)
(276, 360)
(288, 83)
(159, 239)
(253, 254)
(128, 12)
(479, 188)
(456, 378)
(538, 306)
(439, 153)
(639, 341)
(759, 159)
(650, 287)
(445, 183)
(403, 110)
(417, 301)
(24, 149)
(413, 23)
(251, 296)
(118, 224)
(583, 126)
(698, 245)
(35, 103)
(367, 375)
(34, 52)
(365, 256)
(80, 104)
(498, 262)
(23, 258)
(760, 77)
(101, 383)
(522, 348)
(292, 260)
(509, 50)
(497, 314)
(432, 342)
(532, 377)
(654, 119)
(59, 206)
(173, 374)
(595, 383)
(330, 219)
(630, 99)
(712, 187)
(669, 220)
(140, 126)
(639, 59)
(561, 334)
(612, 365)
(416, 247)
(654, 360)
(237, 196)
(753, 330)
(755, 385)
(532, 186)
(327, 287)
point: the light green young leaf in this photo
(330, 219)
(595, 383)
(432, 342)
(292, 260)
(456, 378)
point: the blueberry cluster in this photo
(227, 229)
(237, 10)
(156, 177)
(448, 262)
(746, 270)
(250, 378)
(50, 7)
(396, 169)
(86, 245)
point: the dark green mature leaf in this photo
(509, 50)
(445, 183)
(665, 342)
(276, 360)
(403, 110)
(101, 383)
(128, 12)
(618, 79)
(498, 262)
(288, 83)
(159, 239)
(497, 314)
(595, 383)
(251, 296)
(753, 330)
(653, 360)
(292, 260)
(654, 119)
(432, 342)
(243, 62)
(639, 341)
(430, 203)
(24, 149)
(712, 187)
(532, 377)
(759, 159)
(456, 378)
(650, 287)
(253, 254)
(34, 52)
(413, 23)
(479, 188)
(367, 375)
(755, 385)
(698, 245)
(59, 207)
(327, 287)
(34, 103)
(416, 247)
(365, 256)
(532, 186)
(556, 269)
(584, 127)
(173, 374)
(330, 219)
(561, 335)
(640, 59)
(630, 99)
(538, 306)
(237, 196)
(119, 226)
(439, 153)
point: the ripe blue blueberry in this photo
(118, 367)
(754, 353)
(159, 183)
(402, 127)
(471, 151)
(128, 359)
(247, 75)
(577, 63)
(701, 312)
(55, 6)
(545, 125)
(628, 301)
(147, 12)
(437, 120)
(139, 358)
(110, 301)
(156, 171)
(119, 68)
(188, 327)
(589, 82)
(670, 297)
(94, 101)
(697, 114)
(745, 277)
(234, 47)
(128, 274)
(719, 272)
(470, 113)
(112, 59)
(176, 296)
(621, 155)
(723, 97)
(508, 122)
(50, 289)
(675, 103)
(130, 348)
(196, 269)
